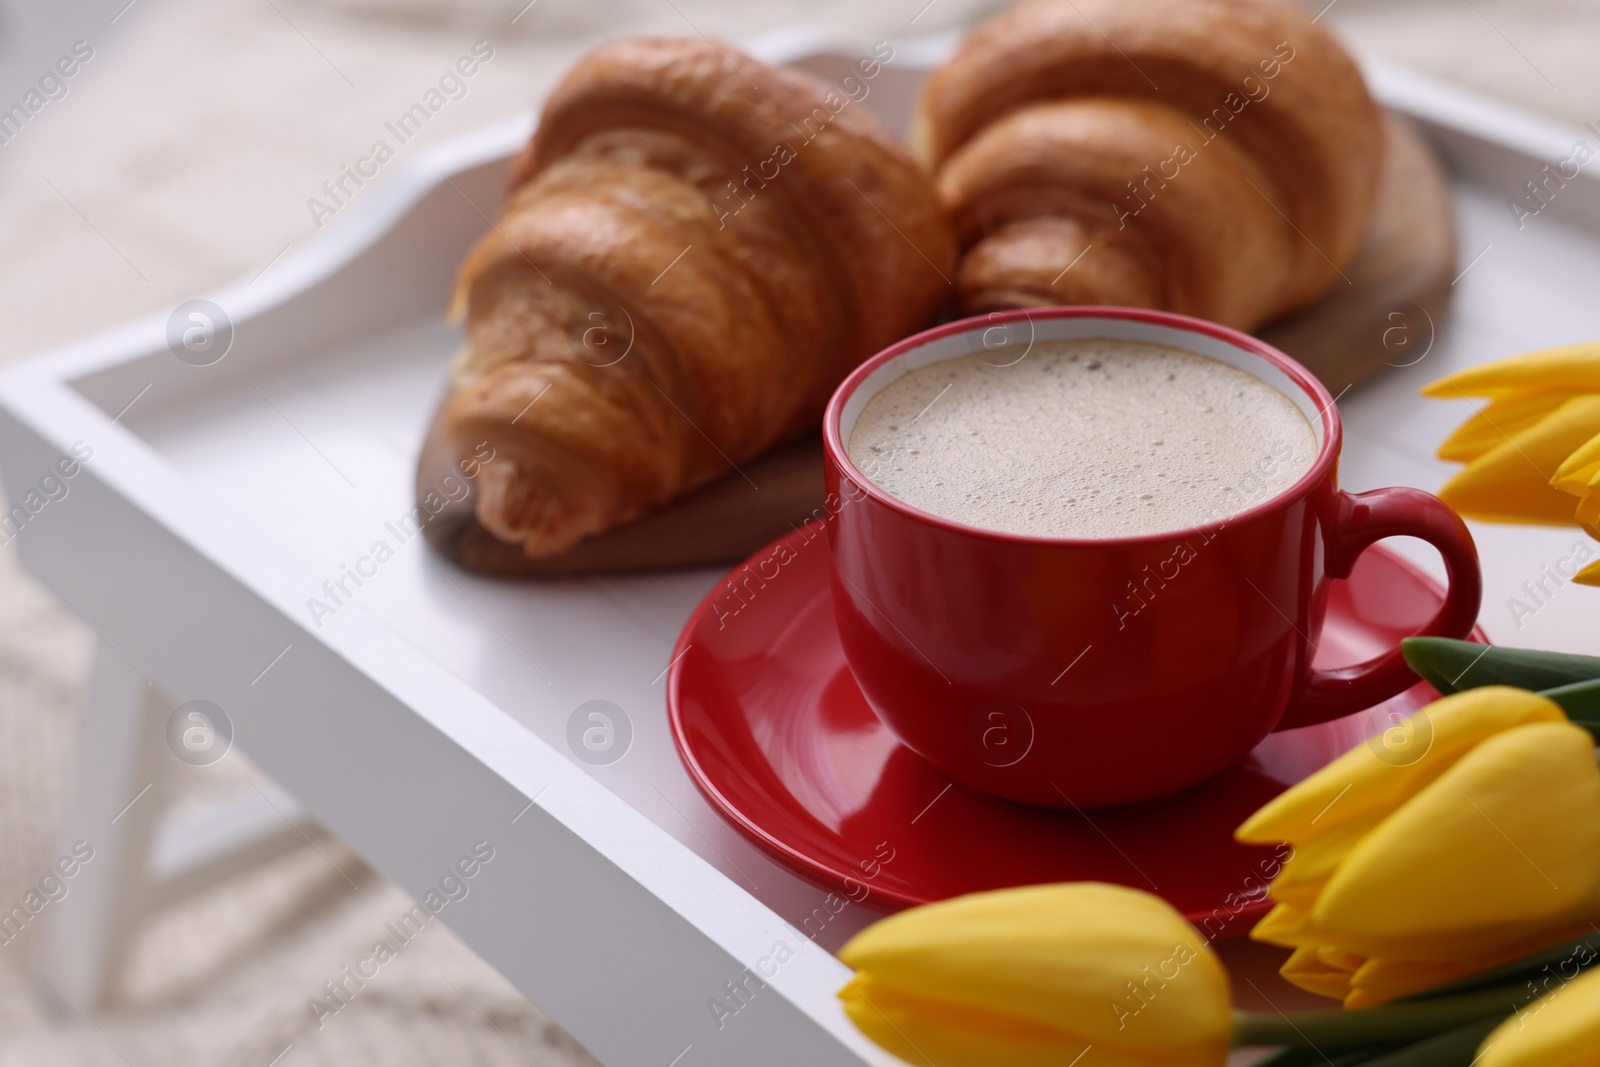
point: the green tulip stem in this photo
(1387, 1024)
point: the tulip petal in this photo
(1588, 509)
(1511, 482)
(1361, 785)
(951, 1035)
(1589, 575)
(1406, 965)
(934, 1034)
(1306, 871)
(1498, 421)
(1305, 969)
(1482, 948)
(1511, 831)
(1578, 470)
(1381, 980)
(1285, 925)
(1561, 1029)
(1340, 958)
(1567, 367)
(1080, 957)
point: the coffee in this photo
(1090, 438)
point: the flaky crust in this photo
(1258, 190)
(696, 248)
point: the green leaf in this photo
(1450, 666)
(1453, 1048)
(1580, 700)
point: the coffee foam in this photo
(1090, 438)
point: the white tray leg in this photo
(115, 805)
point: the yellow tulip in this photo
(1534, 446)
(1409, 871)
(1561, 1029)
(1570, 367)
(1035, 977)
(1511, 481)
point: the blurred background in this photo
(182, 154)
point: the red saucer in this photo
(774, 732)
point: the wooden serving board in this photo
(1398, 289)
(721, 522)
(1384, 314)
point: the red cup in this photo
(1088, 673)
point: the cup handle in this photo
(1363, 520)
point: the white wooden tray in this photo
(432, 710)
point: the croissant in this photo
(695, 249)
(1218, 158)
